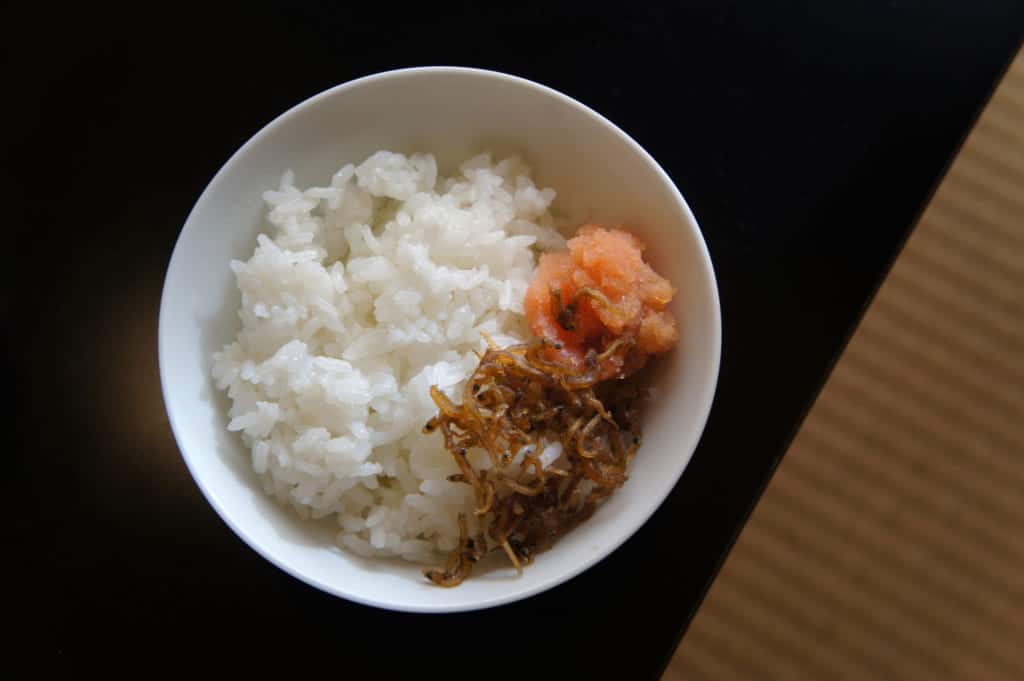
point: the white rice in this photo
(367, 292)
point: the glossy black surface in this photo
(805, 137)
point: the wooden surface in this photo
(805, 136)
(890, 543)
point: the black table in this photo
(806, 139)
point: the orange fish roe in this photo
(599, 292)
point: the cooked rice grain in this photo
(364, 294)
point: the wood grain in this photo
(890, 543)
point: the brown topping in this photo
(518, 401)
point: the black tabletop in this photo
(805, 136)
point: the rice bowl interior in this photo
(599, 174)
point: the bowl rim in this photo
(706, 396)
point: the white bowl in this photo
(600, 175)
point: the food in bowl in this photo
(386, 295)
(557, 419)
